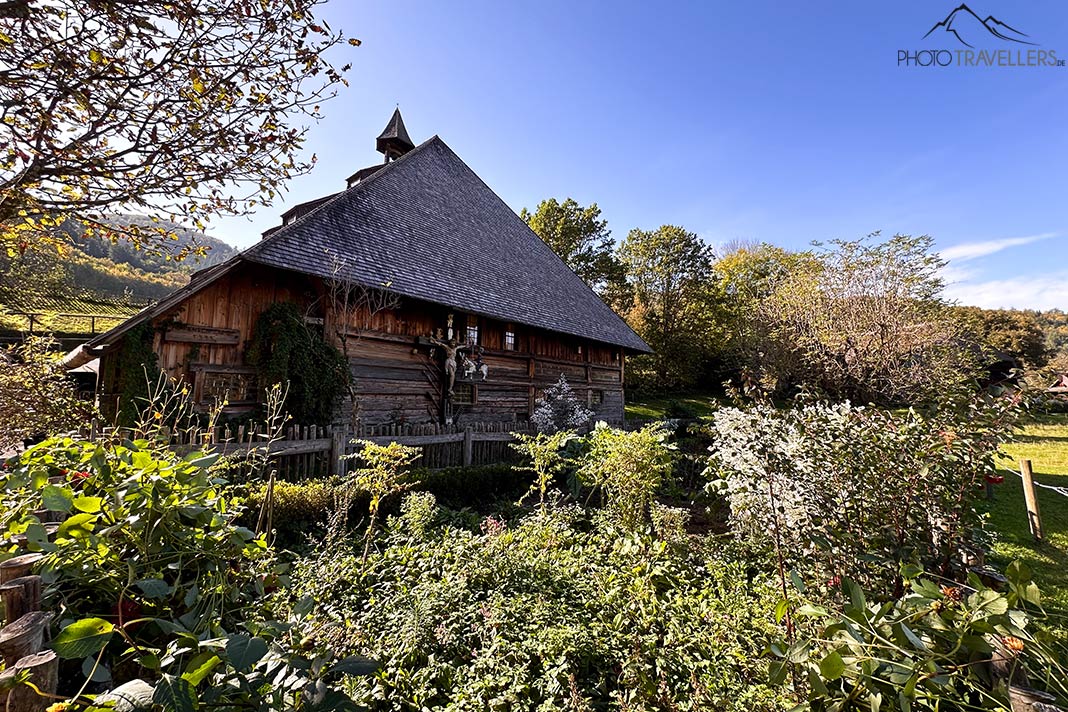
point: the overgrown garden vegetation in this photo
(813, 542)
(842, 577)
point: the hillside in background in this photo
(124, 252)
(93, 275)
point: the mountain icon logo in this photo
(965, 25)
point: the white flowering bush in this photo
(846, 491)
(560, 409)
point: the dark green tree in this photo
(1006, 332)
(582, 240)
(286, 350)
(675, 307)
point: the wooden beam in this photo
(203, 335)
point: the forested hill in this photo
(124, 252)
(98, 269)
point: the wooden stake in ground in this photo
(1034, 519)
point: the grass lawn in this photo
(698, 405)
(1044, 442)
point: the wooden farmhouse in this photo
(454, 310)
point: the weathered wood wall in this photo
(399, 377)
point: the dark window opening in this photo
(596, 397)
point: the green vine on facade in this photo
(139, 370)
(284, 349)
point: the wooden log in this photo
(1034, 518)
(18, 566)
(468, 447)
(20, 596)
(24, 637)
(43, 668)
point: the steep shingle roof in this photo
(431, 229)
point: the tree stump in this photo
(20, 596)
(18, 566)
(44, 674)
(23, 637)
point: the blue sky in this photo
(767, 121)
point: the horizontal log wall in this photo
(398, 376)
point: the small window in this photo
(463, 394)
(596, 398)
(509, 341)
(472, 334)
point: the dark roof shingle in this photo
(427, 226)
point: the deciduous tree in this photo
(582, 239)
(863, 320)
(675, 310)
(192, 109)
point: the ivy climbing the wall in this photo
(284, 349)
(138, 373)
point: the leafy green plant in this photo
(138, 373)
(385, 472)
(838, 490)
(544, 453)
(628, 467)
(941, 646)
(154, 579)
(552, 611)
(36, 394)
(300, 510)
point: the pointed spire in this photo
(394, 142)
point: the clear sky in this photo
(775, 122)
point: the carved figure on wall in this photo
(471, 367)
(452, 358)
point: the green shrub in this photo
(301, 510)
(839, 490)
(681, 409)
(628, 467)
(940, 647)
(154, 579)
(553, 612)
(474, 487)
(287, 350)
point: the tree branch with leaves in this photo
(194, 109)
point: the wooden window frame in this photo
(472, 325)
(511, 340)
(456, 392)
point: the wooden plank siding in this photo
(396, 378)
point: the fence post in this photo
(337, 449)
(469, 447)
(1034, 519)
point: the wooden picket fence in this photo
(316, 451)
